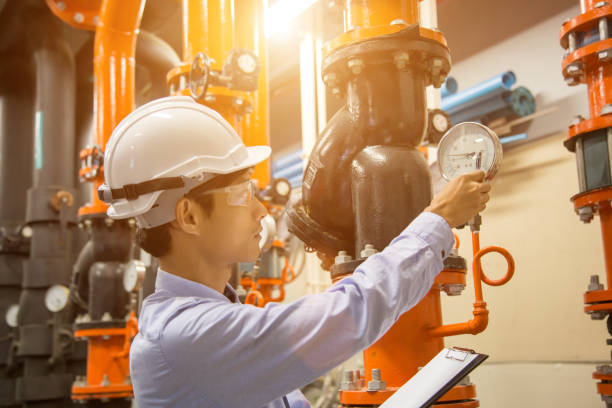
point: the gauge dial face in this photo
(468, 147)
(11, 315)
(56, 298)
(440, 122)
(133, 275)
(283, 188)
(247, 63)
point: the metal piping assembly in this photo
(589, 62)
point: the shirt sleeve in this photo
(240, 355)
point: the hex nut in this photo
(342, 257)
(368, 250)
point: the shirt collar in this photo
(185, 287)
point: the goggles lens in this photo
(237, 194)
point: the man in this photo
(183, 173)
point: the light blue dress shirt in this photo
(197, 348)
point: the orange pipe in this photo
(250, 35)
(371, 13)
(407, 345)
(599, 85)
(480, 312)
(114, 62)
(208, 26)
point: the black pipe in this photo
(16, 95)
(158, 58)
(47, 376)
(385, 106)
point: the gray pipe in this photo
(54, 111)
(16, 111)
(158, 57)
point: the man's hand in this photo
(461, 199)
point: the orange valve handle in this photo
(457, 242)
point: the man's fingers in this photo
(478, 176)
(482, 208)
(484, 198)
(485, 187)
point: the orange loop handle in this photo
(505, 254)
(456, 241)
(255, 298)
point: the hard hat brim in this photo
(255, 155)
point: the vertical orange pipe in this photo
(407, 345)
(208, 26)
(599, 85)
(114, 62)
(372, 13)
(250, 35)
(195, 28)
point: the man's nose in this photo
(260, 210)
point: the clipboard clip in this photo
(458, 353)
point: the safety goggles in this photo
(237, 194)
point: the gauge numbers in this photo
(468, 147)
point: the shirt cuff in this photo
(434, 230)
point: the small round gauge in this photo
(268, 232)
(247, 63)
(468, 147)
(440, 122)
(56, 298)
(133, 275)
(11, 315)
(283, 188)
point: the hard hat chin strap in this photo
(133, 191)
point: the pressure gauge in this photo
(283, 188)
(268, 232)
(247, 63)
(133, 275)
(11, 315)
(56, 298)
(468, 147)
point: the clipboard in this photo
(436, 378)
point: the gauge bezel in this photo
(140, 269)
(64, 290)
(451, 134)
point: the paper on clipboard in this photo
(435, 379)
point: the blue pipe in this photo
(482, 91)
(296, 181)
(287, 160)
(513, 138)
(449, 87)
(518, 102)
(289, 172)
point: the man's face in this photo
(232, 232)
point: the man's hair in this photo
(156, 241)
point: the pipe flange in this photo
(404, 49)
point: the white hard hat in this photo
(161, 151)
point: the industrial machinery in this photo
(365, 181)
(72, 295)
(586, 39)
(71, 278)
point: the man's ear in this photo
(187, 215)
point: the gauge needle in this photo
(478, 160)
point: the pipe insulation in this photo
(479, 92)
(449, 87)
(519, 102)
